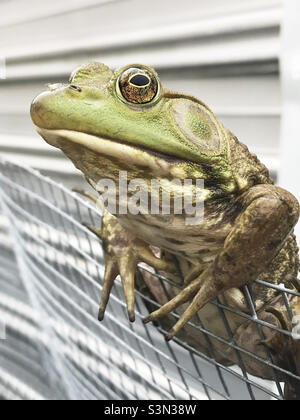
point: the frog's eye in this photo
(138, 86)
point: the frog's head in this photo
(107, 121)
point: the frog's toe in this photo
(127, 264)
(207, 291)
(126, 268)
(127, 272)
(111, 272)
(184, 296)
(145, 255)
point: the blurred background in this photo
(240, 57)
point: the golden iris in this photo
(138, 85)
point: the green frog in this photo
(125, 121)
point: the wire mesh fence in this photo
(50, 286)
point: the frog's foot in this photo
(200, 290)
(123, 253)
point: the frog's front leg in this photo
(123, 252)
(268, 217)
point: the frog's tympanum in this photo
(127, 121)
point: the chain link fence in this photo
(51, 274)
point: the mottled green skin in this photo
(247, 229)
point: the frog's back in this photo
(246, 167)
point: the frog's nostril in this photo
(74, 87)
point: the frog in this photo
(126, 122)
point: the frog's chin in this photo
(105, 147)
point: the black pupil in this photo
(139, 80)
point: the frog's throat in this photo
(106, 147)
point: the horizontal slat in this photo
(26, 143)
(183, 34)
(174, 32)
(35, 9)
(58, 165)
(16, 11)
(219, 52)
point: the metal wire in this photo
(49, 295)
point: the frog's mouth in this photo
(112, 148)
